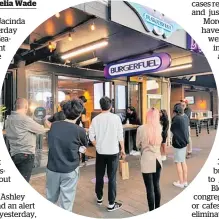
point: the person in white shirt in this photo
(106, 132)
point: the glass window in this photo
(121, 97)
(40, 93)
(153, 86)
(107, 89)
(98, 94)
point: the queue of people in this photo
(67, 140)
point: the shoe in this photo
(132, 152)
(177, 184)
(186, 184)
(189, 155)
(115, 207)
(164, 157)
(99, 201)
(83, 164)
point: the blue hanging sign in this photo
(153, 21)
(138, 66)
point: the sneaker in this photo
(189, 155)
(186, 184)
(132, 152)
(83, 164)
(114, 207)
(164, 157)
(179, 185)
(99, 201)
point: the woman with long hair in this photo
(149, 141)
(165, 127)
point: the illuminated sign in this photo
(154, 21)
(138, 66)
(192, 45)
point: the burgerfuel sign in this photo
(138, 66)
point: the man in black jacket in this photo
(180, 130)
(188, 112)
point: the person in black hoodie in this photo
(132, 118)
(180, 130)
(59, 116)
(165, 127)
(64, 140)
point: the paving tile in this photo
(132, 192)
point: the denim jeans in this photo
(61, 188)
(110, 162)
(24, 163)
(152, 184)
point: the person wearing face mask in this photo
(21, 133)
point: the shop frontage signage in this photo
(154, 21)
(192, 45)
(138, 66)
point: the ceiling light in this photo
(51, 46)
(57, 15)
(92, 27)
(88, 62)
(69, 37)
(85, 49)
(175, 68)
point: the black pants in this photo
(24, 163)
(110, 162)
(152, 184)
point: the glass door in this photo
(134, 97)
(40, 93)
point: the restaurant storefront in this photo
(48, 75)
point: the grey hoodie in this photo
(21, 133)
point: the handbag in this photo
(124, 169)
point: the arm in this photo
(92, 134)
(48, 123)
(83, 137)
(173, 125)
(165, 128)
(83, 118)
(51, 119)
(34, 127)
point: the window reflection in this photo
(39, 93)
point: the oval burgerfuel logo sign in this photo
(142, 65)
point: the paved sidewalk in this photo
(132, 192)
